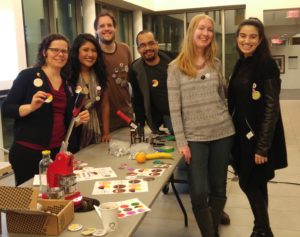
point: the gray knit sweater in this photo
(197, 111)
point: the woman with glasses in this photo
(253, 100)
(88, 72)
(202, 125)
(41, 104)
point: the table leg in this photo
(179, 200)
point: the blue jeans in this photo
(207, 172)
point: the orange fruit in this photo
(140, 157)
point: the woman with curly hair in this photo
(41, 103)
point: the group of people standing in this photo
(98, 65)
(187, 95)
(208, 132)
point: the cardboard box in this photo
(24, 217)
(5, 169)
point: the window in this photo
(282, 28)
(168, 30)
(49, 16)
(36, 26)
(124, 23)
(66, 18)
(232, 19)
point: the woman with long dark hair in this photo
(253, 99)
(88, 72)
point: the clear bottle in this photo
(43, 166)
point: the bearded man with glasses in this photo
(148, 78)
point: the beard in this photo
(107, 42)
(149, 58)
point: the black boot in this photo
(224, 220)
(204, 221)
(217, 205)
(261, 234)
(261, 221)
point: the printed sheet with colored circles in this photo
(147, 172)
(120, 186)
(131, 207)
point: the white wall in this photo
(290, 79)
(12, 43)
(12, 46)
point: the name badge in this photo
(249, 135)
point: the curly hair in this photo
(98, 67)
(44, 46)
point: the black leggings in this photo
(259, 191)
(257, 194)
(25, 162)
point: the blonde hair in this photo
(185, 60)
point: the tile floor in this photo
(166, 219)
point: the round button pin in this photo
(74, 227)
(88, 231)
(37, 82)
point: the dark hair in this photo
(44, 46)
(105, 13)
(141, 33)
(262, 50)
(98, 67)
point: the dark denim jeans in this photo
(207, 172)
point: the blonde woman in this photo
(201, 122)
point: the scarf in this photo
(91, 132)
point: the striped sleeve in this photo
(174, 96)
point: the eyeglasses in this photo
(57, 50)
(150, 44)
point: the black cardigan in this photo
(36, 127)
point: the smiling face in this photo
(147, 46)
(248, 40)
(57, 54)
(106, 30)
(203, 34)
(87, 55)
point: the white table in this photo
(97, 156)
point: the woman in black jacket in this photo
(253, 100)
(41, 104)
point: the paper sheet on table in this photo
(131, 207)
(120, 186)
(91, 173)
